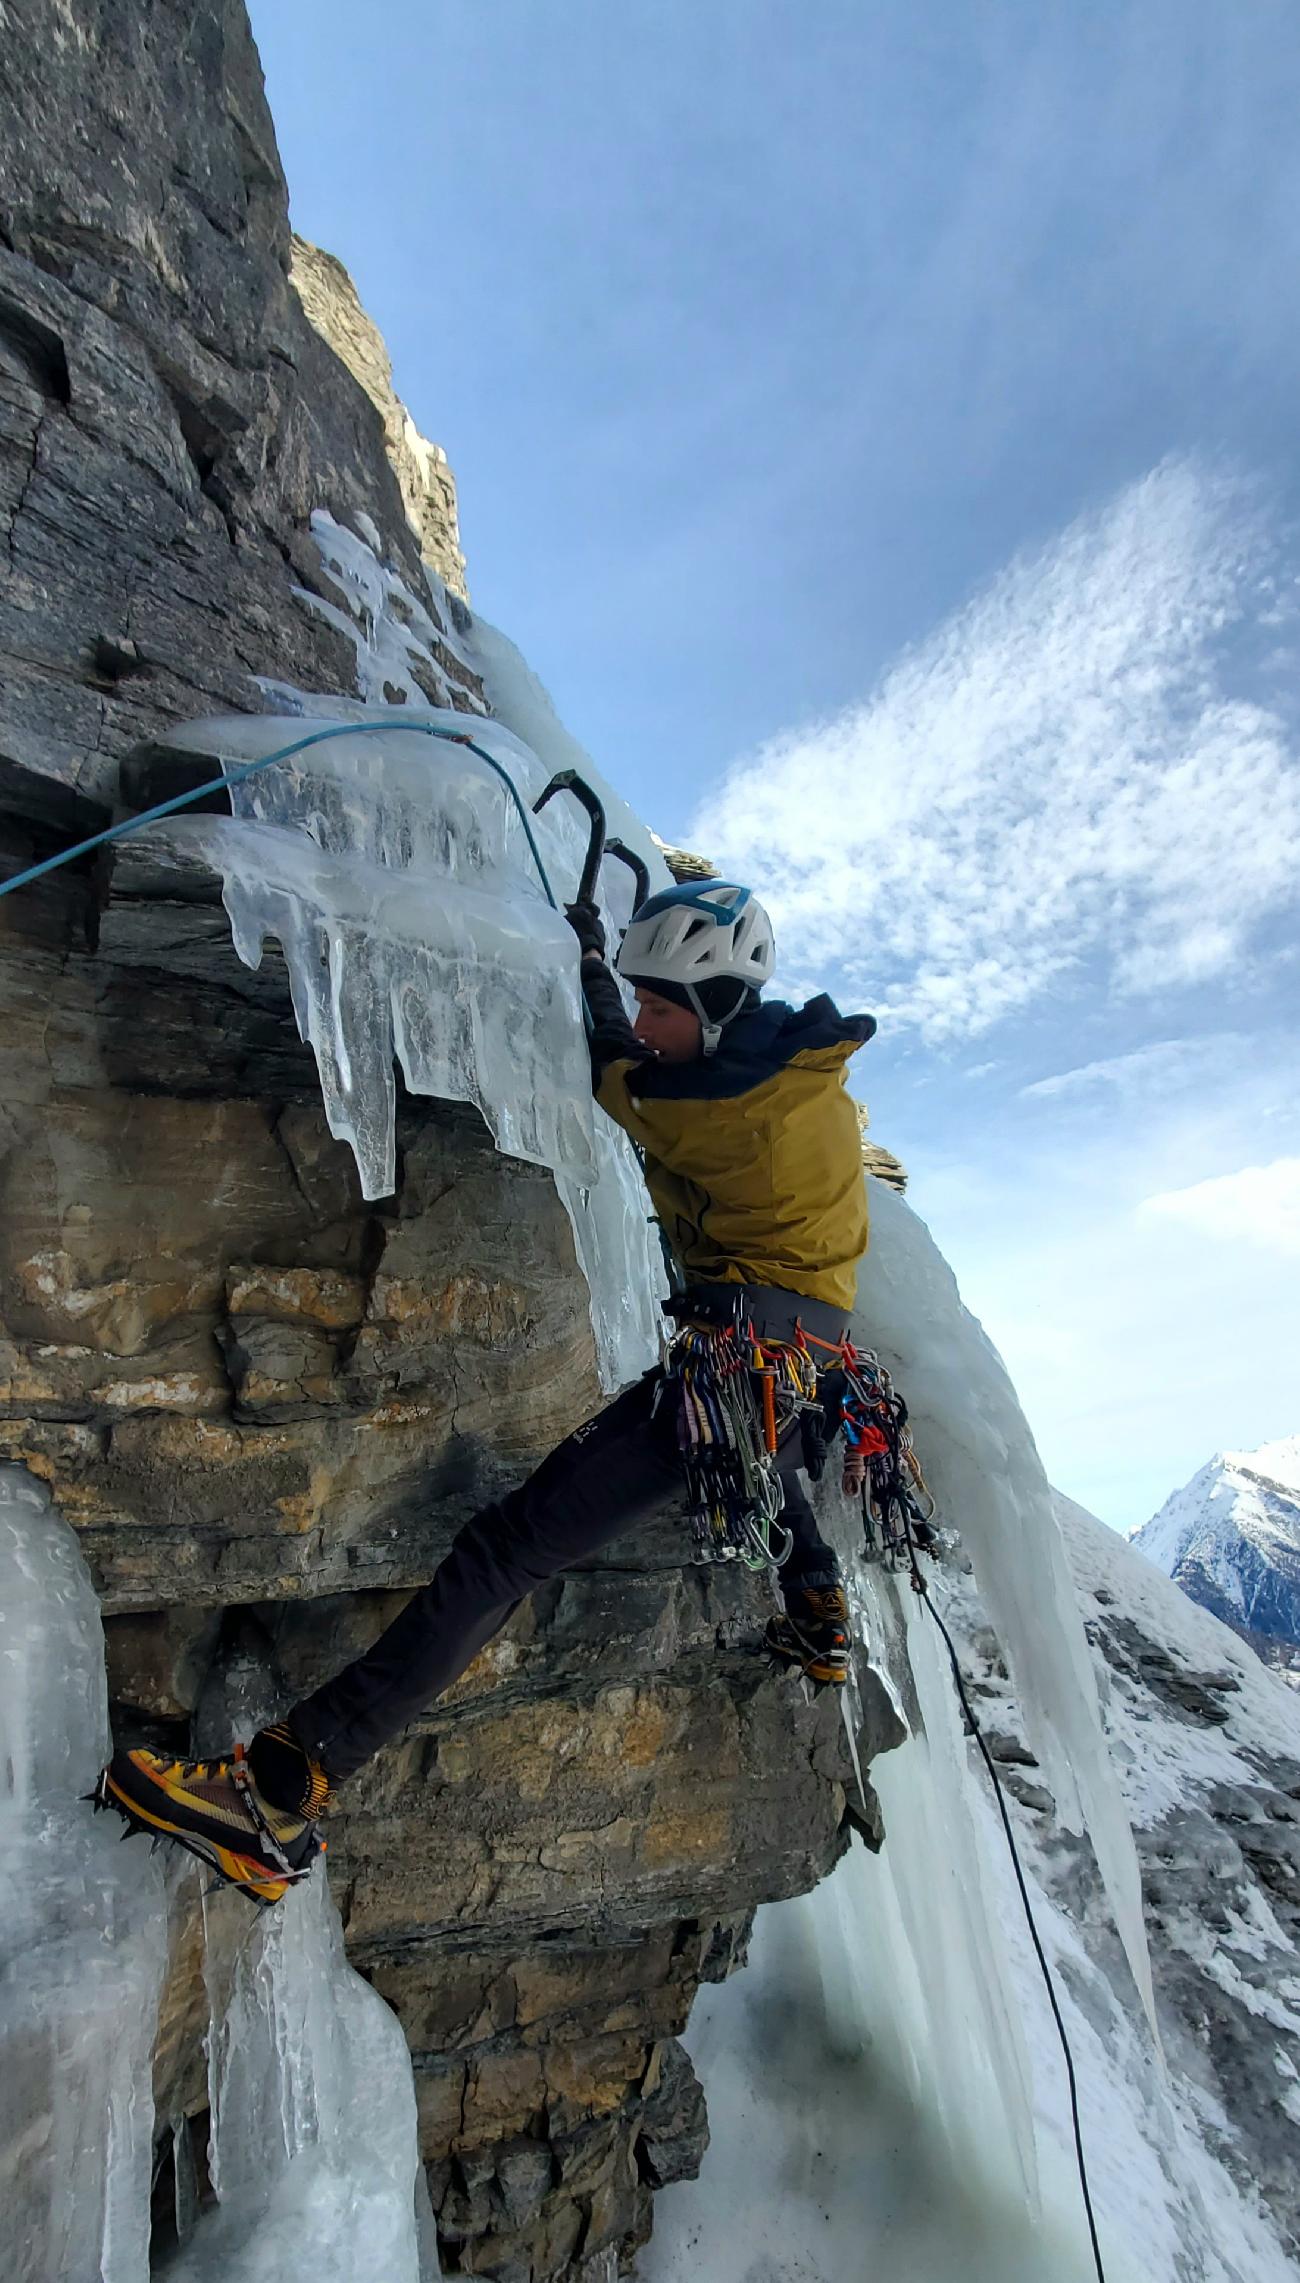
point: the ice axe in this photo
(568, 781)
(640, 873)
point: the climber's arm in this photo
(612, 1038)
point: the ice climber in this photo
(753, 1160)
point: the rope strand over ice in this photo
(284, 753)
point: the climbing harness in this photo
(735, 1396)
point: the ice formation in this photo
(886, 2090)
(820, 2165)
(82, 1928)
(394, 870)
(396, 640)
(313, 2152)
(983, 1468)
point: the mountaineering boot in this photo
(251, 1817)
(813, 1635)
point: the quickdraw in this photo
(734, 1397)
(880, 1465)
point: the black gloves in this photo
(585, 921)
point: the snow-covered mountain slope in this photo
(1207, 1744)
(1231, 1539)
(832, 2153)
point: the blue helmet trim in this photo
(692, 893)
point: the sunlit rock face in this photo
(265, 1404)
(333, 304)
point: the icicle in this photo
(313, 2153)
(82, 1927)
(395, 873)
(985, 1473)
(185, 2185)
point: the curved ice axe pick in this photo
(568, 781)
(640, 873)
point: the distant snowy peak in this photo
(1231, 1539)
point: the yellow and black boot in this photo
(813, 1636)
(252, 1817)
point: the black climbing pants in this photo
(604, 1477)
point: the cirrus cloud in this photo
(1258, 1205)
(1062, 778)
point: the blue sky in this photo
(877, 425)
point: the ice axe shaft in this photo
(640, 873)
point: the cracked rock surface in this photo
(266, 1406)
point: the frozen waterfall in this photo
(313, 2151)
(83, 1930)
(886, 2089)
(394, 871)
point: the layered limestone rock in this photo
(168, 416)
(684, 865)
(264, 1404)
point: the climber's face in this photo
(673, 1033)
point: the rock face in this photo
(168, 415)
(265, 1405)
(428, 486)
(880, 1163)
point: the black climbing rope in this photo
(921, 1586)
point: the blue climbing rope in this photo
(249, 769)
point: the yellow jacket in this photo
(753, 1156)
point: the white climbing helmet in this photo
(708, 931)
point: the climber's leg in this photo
(599, 1481)
(814, 1634)
(254, 1820)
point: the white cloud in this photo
(1058, 777)
(1138, 1346)
(1259, 1205)
(1164, 1064)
